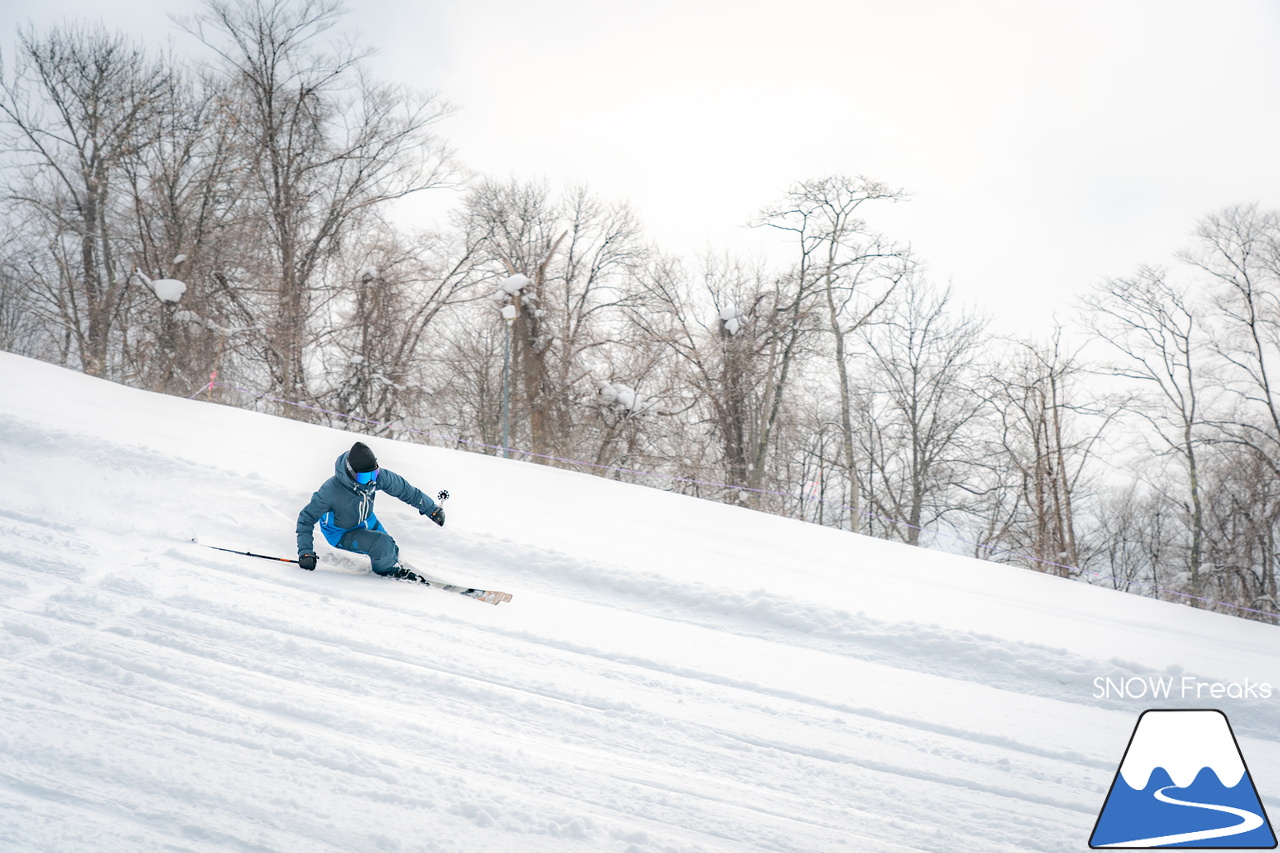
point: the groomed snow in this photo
(672, 674)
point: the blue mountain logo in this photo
(1183, 783)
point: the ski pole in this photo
(245, 553)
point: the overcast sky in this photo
(1045, 145)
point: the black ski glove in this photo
(308, 561)
(437, 515)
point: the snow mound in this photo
(168, 289)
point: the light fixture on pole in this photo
(509, 318)
(508, 295)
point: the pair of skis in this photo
(488, 596)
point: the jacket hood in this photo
(342, 473)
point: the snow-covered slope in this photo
(672, 674)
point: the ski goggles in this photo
(364, 478)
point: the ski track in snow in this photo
(157, 695)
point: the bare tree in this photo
(21, 329)
(919, 407)
(80, 104)
(466, 380)
(844, 269)
(1150, 324)
(739, 343)
(326, 145)
(1135, 537)
(633, 420)
(186, 221)
(1043, 436)
(569, 262)
(1242, 526)
(1239, 250)
(378, 350)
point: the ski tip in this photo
(494, 597)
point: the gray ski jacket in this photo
(341, 504)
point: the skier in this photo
(343, 505)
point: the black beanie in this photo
(361, 458)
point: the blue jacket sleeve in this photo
(398, 487)
(307, 523)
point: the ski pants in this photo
(377, 544)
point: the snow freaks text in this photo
(1182, 687)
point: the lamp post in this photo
(508, 296)
(508, 318)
